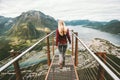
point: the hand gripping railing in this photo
(97, 59)
(23, 53)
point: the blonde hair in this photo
(61, 28)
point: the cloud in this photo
(64, 9)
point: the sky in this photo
(96, 10)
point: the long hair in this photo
(62, 28)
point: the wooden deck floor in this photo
(67, 73)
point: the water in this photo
(37, 57)
(87, 34)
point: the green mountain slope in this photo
(21, 32)
(24, 31)
(112, 27)
(5, 24)
(31, 25)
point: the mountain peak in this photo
(32, 13)
(32, 22)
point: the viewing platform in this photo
(68, 72)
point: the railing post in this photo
(53, 44)
(101, 70)
(72, 44)
(48, 51)
(16, 65)
(76, 50)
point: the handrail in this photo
(23, 53)
(97, 59)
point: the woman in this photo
(62, 34)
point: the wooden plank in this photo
(67, 73)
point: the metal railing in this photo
(87, 71)
(109, 71)
(23, 53)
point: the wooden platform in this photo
(67, 73)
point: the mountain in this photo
(4, 48)
(24, 31)
(21, 32)
(113, 27)
(77, 22)
(94, 24)
(31, 24)
(5, 24)
(84, 22)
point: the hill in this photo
(21, 32)
(84, 22)
(31, 24)
(5, 24)
(77, 22)
(112, 27)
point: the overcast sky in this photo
(100, 10)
